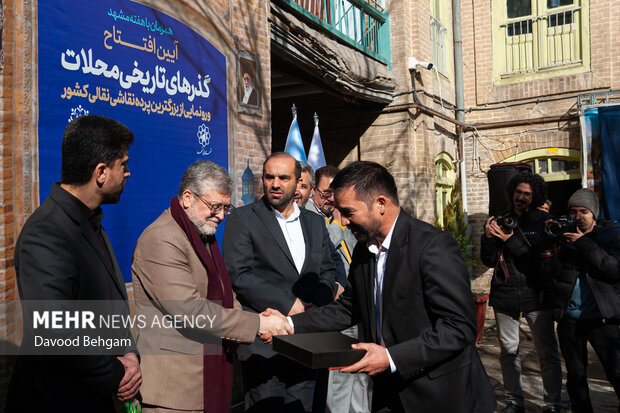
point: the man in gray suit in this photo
(176, 267)
(277, 255)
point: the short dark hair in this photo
(369, 179)
(88, 141)
(328, 171)
(533, 180)
(276, 154)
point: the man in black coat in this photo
(518, 285)
(64, 254)
(586, 300)
(278, 256)
(409, 288)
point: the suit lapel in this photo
(398, 242)
(307, 229)
(117, 275)
(102, 253)
(268, 219)
(75, 209)
(368, 269)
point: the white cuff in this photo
(392, 365)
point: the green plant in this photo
(454, 223)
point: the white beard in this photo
(246, 97)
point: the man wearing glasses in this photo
(278, 256)
(177, 268)
(515, 250)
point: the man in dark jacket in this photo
(587, 297)
(63, 254)
(518, 285)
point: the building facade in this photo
(525, 62)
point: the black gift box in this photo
(319, 350)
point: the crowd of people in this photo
(324, 250)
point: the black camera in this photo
(561, 225)
(507, 221)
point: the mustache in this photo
(213, 219)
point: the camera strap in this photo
(522, 236)
(501, 261)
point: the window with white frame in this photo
(439, 35)
(533, 36)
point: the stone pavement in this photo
(603, 397)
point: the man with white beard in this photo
(250, 97)
(177, 266)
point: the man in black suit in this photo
(64, 254)
(278, 256)
(408, 286)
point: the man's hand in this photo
(374, 361)
(130, 384)
(340, 291)
(492, 229)
(298, 307)
(572, 236)
(272, 322)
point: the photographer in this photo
(514, 244)
(586, 300)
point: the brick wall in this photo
(408, 140)
(556, 96)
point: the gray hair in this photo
(205, 175)
(307, 168)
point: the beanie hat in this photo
(586, 199)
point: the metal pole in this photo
(459, 94)
(584, 149)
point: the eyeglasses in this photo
(324, 194)
(527, 195)
(216, 208)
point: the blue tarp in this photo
(609, 118)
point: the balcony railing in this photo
(542, 42)
(361, 23)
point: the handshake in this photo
(273, 323)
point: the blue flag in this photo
(294, 144)
(316, 158)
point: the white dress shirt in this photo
(294, 236)
(381, 252)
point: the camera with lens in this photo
(561, 225)
(507, 221)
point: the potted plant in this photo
(454, 222)
(480, 301)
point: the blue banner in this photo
(137, 65)
(609, 117)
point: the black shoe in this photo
(513, 408)
(552, 409)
